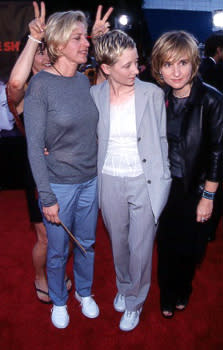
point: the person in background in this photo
(61, 116)
(12, 147)
(195, 136)
(90, 69)
(145, 71)
(6, 117)
(133, 168)
(211, 71)
(211, 67)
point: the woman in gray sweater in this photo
(60, 115)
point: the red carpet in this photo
(25, 322)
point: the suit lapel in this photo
(105, 107)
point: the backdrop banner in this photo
(14, 19)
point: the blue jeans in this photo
(78, 205)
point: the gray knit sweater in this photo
(60, 114)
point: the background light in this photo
(123, 20)
(218, 19)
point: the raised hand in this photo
(101, 24)
(37, 25)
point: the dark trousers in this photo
(35, 215)
(12, 161)
(181, 244)
(15, 170)
(175, 277)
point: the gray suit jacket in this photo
(151, 137)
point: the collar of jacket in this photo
(196, 93)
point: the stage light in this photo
(217, 19)
(123, 20)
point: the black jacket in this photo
(201, 144)
(212, 73)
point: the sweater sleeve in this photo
(35, 117)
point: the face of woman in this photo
(76, 49)
(41, 61)
(178, 74)
(124, 71)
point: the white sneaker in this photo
(119, 303)
(89, 307)
(59, 316)
(129, 320)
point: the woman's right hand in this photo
(51, 213)
(37, 25)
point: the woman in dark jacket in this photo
(195, 136)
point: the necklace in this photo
(57, 70)
(182, 96)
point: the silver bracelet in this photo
(33, 39)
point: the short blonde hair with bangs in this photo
(59, 28)
(170, 47)
(110, 46)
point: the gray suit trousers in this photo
(127, 213)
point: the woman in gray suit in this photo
(133, 168)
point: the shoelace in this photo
(59, 311)
(120, 297)
(87, 300)
(130, 313)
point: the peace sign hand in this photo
(101, 25)
(37, 25)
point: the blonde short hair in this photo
(59, 28)
(110, 46)
(170, 47)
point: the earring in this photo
(161, 75)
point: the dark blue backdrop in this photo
(197, 23)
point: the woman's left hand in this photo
(101, 24)
(204, 209)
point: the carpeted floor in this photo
(25, 322)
